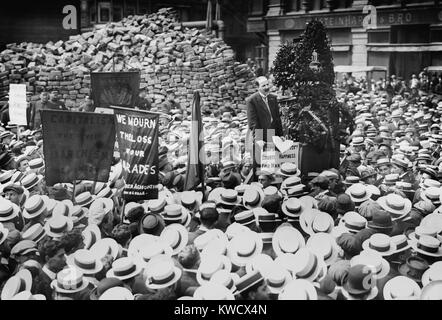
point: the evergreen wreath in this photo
(310, 90)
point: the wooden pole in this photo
(73, 191)
(122, 211)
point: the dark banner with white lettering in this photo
(115, 88)
(77, 146)
(137, 134)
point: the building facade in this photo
(230, 18)
(404, 36)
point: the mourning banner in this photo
(77, 145)
(137, 134)
(115, 88)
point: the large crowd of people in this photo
(370, 229)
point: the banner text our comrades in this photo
(137, 134)
(138, 122)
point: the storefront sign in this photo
(355, 19)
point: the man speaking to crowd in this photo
(263, 112)
(263, 117)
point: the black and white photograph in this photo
(227, 150)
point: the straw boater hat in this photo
(35, 233)
(8, 210)
(424, 230)
(204, 239)
(70, 280)
(432, 291)
(306, 219)
(358, 193)
(299, 289)
(434, 273)
(378, 265)
(21, 281)
(85, 261)
(153, 206)
(123, 269)
(151, 250)
(401, 242)
(324, 245)
(245, 218)
(210, 264)
(63, 209)
(106, 192)
(36, 164)
(27, 295)
(228, 197)
(3, 233)
(84, 199)
(225, 278)
(353, 222)
(91, 234)
(277, 278)
(243, 247)
(117, 293)
(290, 182)
(215, 194)
(247, 281)
(287, 239)
(253, 197)
(176, 236)
(161, 273)
(381, 243)
(428, 246)
(261, 262)
(190, 198)
(213, 291)
(30, 180)
(140, 241)
(293, 207)
(216, 246)
(175, 213)
(106, 246)
(308, 265)
(56, 226)
(288, 169)
(401, 288)
(322, 222)
(397, 206)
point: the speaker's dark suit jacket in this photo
(259, 117)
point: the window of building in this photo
(256, 7)
(341, 58)
(339, 36)
(410, 34)
(261, 56)
(343, 3)
(104, 12)
(379, 36)
(117, 13)
(436, 35)
(130, 11)
(293, 5)
(93, 11)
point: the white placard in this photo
(271, 159)
(17, 104)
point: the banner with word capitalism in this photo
(137, 134)
(77, 146)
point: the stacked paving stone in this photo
(170, 57)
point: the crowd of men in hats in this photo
(370, 229)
